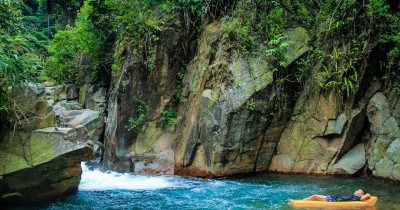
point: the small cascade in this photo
(95, 180)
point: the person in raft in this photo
(359, 195)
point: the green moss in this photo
(11, 163)
(28, 150)
(150, 133)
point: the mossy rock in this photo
(148, 135)
(49, 157)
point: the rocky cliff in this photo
(228, 123)
(235, 119)
(139, 92)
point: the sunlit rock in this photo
(91, 120)
(352, 162)
(226, 126)
(42, 165)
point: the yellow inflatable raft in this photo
(302, 203)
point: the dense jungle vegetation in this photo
(85, 41)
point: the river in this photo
(113, 190)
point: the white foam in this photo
(99, 181)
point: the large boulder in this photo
(32, 109)
(72, 105)
(71, 91)
(83, 94)
(91, 120)
(66, 92)
(98, 100)
(93, 97)
(152, 153)
(51, 159)
(70, 113)
(59, 93)
(352, 162)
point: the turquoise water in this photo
(263, 191)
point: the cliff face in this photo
(235, 119)
(227, 126)
(329, 134)
(322, 128)
(227, 122)
(151, 92)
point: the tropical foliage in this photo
(23, 41)
(79, 61)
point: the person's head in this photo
(360, 192)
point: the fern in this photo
(137, 121)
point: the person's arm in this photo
(365, 197)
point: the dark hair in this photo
(365, 192)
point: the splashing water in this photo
(98, 181)
(114, 190)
